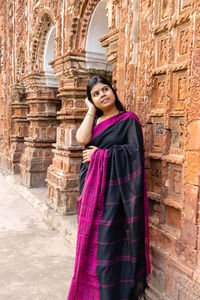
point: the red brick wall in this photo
(158, 77)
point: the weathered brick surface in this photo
(154, 50)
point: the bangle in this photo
(90, 114)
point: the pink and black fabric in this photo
(112, 254)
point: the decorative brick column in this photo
(62, 175)
(38, 154)
(20, 125)
(110, 42)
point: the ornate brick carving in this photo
(159, 92)
(180, 90)
(162, 50)
(182, 41)
(19, 127)
(184, 4)
(158, 128)
(20, 65)
(80, 21)
(156, 176)
(175, 182)
(42, 131)
(177, 128)
(162, 10)
(62, 174)
(38, 42)
(180, 285)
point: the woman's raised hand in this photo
(91, 107)
(88, 153)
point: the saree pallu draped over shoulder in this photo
(112, 252)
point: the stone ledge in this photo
(65, 225)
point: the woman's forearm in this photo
(84, 133)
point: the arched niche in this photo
(51, 80)
(95, 53)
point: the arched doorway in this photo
(41, 95)
(98, 26)
(51, 80)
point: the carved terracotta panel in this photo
(175, 182)
(159, 92)
(73, 137)
(156, 177)
(161, 10)
(162, 50)
(180, 90)
(158, 128)
(177, 128)
(184, 4)
(182, 41)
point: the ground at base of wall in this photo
(65, 225)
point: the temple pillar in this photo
(62, 175)
(110, 42)
(19, 127)
(38, 155)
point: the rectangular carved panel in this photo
(159, 92)
(177, 128)
(158, 128)
(182, 42)
(180, 90)
(175, 182)
(162, 50)
(156, 181)
(161, 10)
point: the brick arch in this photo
(39, 40)
(82, 12)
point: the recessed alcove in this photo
(51, 80)
(95, 53)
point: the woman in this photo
(112, 255)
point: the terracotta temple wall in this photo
(167, 101)
(153, 47)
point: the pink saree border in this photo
(146, 219)
(97, 129)
(91, 197)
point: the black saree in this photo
(120, 216)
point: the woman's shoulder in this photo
(131, 115)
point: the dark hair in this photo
(92, 83)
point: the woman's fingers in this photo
(85, 156)
(88, 153)
(91, 106)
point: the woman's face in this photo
(103, 96)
